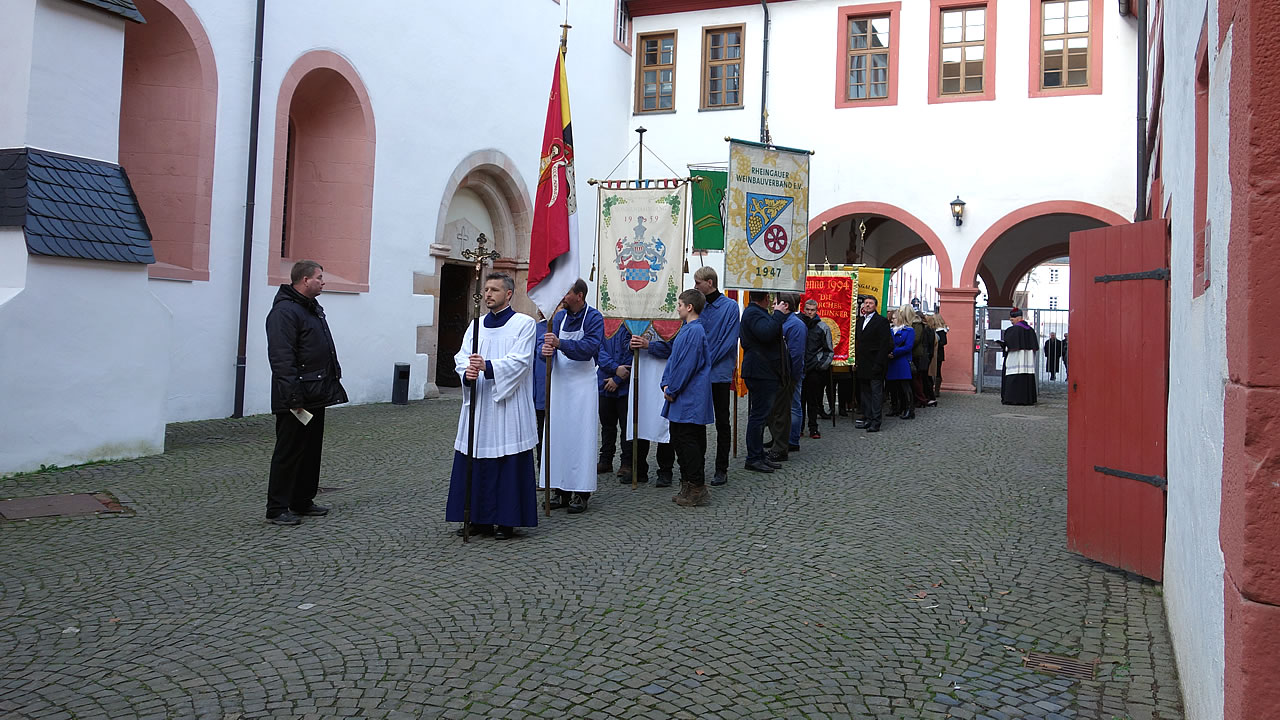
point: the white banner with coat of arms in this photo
(641, 249)
(766, 235)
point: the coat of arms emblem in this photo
(640, 258)
(769, 217)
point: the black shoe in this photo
(721, 477)
(759, 467)
(477, 529)
(664, 479)
(861, 424)
(776, 458)
(313, 511)
(768, 462)
(844, 413)
(931, 403)
(604, 467)
(285, 518)
(873, 428)
(793, 448)
(558, 500)
(578, 503)
(504, 532)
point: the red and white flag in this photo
(553, 248)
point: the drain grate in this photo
(60, 506)
(1061, 665)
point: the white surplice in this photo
(505, 420)
(649, 400)
(573, 420)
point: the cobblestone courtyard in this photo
(904, 574)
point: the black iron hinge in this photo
(1155, 480)
(1157, 274)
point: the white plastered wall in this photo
(83, 360)
(998, 156)
(1193, 566)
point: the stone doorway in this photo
(455, 310)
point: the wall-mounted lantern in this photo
(957, 210)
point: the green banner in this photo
(708, 209)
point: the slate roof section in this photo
(72, 207)
(124, 8)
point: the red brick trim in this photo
(1051, 207)
(893, 212)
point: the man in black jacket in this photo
(762, 371)
(304, 381)
(872, 342)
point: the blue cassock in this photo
(614, 351)
(503, 489)
(539, 368)
(688, 378)
(720, 320)
(796, 333)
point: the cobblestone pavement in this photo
(898, 575)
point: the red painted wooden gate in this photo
(1118, 365)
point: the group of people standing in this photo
(901, 354)
(525, 418)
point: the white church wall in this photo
(998, 155)
(77, 63)
(1193, 566)
(15, 81)
(84, 368)
(437, 95)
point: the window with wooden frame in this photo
(722, 67)
(656, 73)
(963, 51)
(622, 25)
(868, 68)
(1064, 44)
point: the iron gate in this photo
(988, 358)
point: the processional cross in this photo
(479, 256)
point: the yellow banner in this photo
(875, 282)
(766, 235)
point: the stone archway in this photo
(493, 179)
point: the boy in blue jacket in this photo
(686, 385)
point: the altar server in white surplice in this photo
(571, 345)
(503, 486)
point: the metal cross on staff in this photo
(479, 256)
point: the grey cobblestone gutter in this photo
(900, 575)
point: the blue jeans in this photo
(760, 393)
(797, 414)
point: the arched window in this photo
(168, 109)
(322, 195)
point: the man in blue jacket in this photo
(762, 370)
(686, 386)
(720, 320)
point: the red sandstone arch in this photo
(329, 193)
(168, 114)
(892, 212)
(1052, 207)
(906, 255)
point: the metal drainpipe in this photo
(251, 188)
(1144, 153)
(764, 78)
